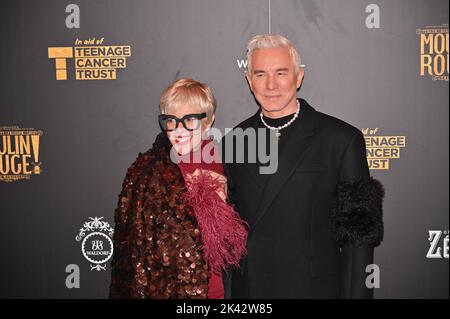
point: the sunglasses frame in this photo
(163, 117)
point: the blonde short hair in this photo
(268, 41)
(191, 92)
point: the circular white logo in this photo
(97, 248)
(96, 244)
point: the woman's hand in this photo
(222, 190)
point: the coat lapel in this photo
(252, 169)
(289, 158)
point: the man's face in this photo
(274, 81)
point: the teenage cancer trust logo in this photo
(96, 243)
(93, 59)
(381, 150)
(19, 153)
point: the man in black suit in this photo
(314, 223)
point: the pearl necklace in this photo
(279, 128)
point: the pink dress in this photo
(215, 286)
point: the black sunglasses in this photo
(191, 122)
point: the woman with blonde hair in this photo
(175, 231)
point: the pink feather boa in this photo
(224, 233)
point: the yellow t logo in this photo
(60, 54)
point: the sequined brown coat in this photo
(157, 244)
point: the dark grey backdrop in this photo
(93, 130)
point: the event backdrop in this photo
(79, 89)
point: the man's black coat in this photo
(314, 223)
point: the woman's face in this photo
(183, 140)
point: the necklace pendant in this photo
(277, 129)
(278, 134)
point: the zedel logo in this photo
(96, 244)
(93, 59)
(434, 58)
(438, 244)
(19, 153)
